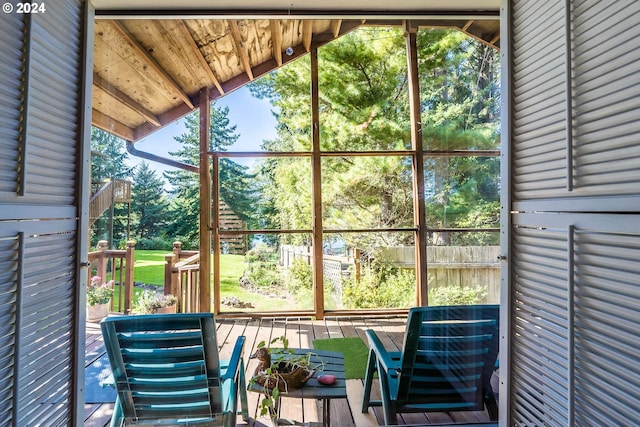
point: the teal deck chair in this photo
(448, 356)
(166, 370)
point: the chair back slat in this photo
(165, 365)
(448, 357)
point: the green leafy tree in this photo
(149, 204)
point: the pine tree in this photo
(235, 182)
(364, 106)
(149, 205)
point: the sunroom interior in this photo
(570, 240)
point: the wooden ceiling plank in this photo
(142, 53)
(114, 127)
(117, 94)
(276, 40)
(242, 51)
(335, 27)
(166, 118)
(307, 34)
(328, 36)
(205, 65)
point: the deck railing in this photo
(182, 278)
(116, 265)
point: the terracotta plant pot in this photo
(96, 313)
(166, 310)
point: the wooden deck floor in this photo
(301, 333)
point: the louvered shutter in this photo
(41, 187)
(573, 300)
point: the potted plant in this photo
(278, 371)
(153, 302)
(98, 298)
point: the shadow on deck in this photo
(300, 332)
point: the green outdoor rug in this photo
(355, 354)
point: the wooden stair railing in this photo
(118, 191)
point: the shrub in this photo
(386, 286)
(262, 275)
(456, 295)
(301, 276)
(155, 243)
(261, 252)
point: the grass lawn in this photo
(149, 269)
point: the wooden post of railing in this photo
(128, 277)
(171, 276)
(101, 268)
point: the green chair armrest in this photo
(234, 361)
(386, 361)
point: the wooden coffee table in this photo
(333, 363)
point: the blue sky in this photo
(252, 116)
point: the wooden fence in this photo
(458, 266)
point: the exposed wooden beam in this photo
(307, 33)
(240, 48)
(182, 27)
(141, 53)
(107, 124)
(480, 35)
(120, 96)
(276, 40)
(335, 27)
(467, 25)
